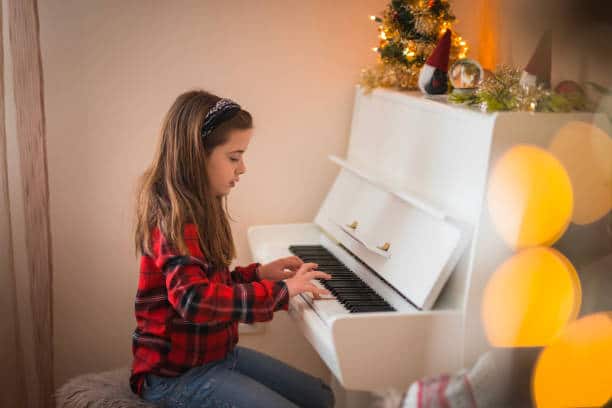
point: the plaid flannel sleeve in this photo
(199, 300)
(246, 274)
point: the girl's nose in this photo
(242, 167)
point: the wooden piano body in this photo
(415, 171)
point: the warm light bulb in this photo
(462, 43)
(383, 36)
(375, 49)
(373, 18)
(574, 370)
(586, 152)
(530, 298)
(530, 197)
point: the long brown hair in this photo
(175, 189)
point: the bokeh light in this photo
(530, 298)
(575, 370)
(586, 153)
(530, 197)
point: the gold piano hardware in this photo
(353, 225)
(384, 247)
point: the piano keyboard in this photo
(354, 295)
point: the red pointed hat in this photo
(541, 61)
(439, 56)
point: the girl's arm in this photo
(246, 274)
(198, 300)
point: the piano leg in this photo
(351, 399)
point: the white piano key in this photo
(328, 307)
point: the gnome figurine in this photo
(537, 71)
(433, 78)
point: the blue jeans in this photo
(244, 379)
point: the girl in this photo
(188, 303)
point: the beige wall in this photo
(112, 68)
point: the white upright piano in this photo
(403, 230)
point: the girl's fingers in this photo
(319, 275)
(293, 263)
(307, 267)
(316, 292)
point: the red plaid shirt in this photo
(187, 313)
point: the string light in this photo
(402, 70)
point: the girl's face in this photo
(226, 162)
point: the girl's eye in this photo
(234, 159)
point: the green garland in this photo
(502, 91)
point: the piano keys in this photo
(346, 287)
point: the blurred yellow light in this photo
(574, 371)
(373, 18)
(586, 152)
(462, 42)
(530, 197)
(375, 49)
(530, 298)
(383, 36)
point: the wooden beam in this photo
(30, 125)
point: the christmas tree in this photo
(408, 33)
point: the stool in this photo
(109, 389)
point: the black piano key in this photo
(358, 302)
(365, 309)
(349, 290)
(311, 251)
(346, 284)
(314, 255)
(343, 279)
(311, 246)
(357, 296)
(322, 263)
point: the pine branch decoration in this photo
(408, 33)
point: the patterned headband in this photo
(223, 110)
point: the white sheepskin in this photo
(109, 389)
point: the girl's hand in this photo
(282, 268)
(301, 282)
